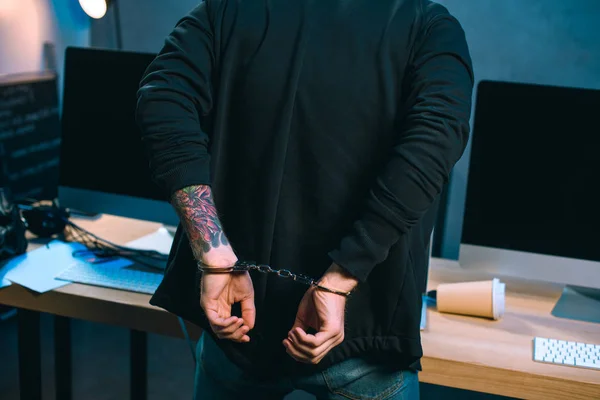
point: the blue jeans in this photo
(217, 378)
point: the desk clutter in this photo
(59, 263)
(486, 299)
(48, 220)
(83, 258)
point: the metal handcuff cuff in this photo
(243, 266)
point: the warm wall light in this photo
(95, 8)
(8, 7)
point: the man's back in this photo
(305, 115)
(323, 140)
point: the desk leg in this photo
(30, 359)
(139, 354)
(62, 358)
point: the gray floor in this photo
(100, 363)
(101, 366)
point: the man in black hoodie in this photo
(312, 137)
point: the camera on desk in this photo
(45, 219)
(12, 227)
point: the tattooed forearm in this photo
(198, 215)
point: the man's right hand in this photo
(218, 292)
(209, 244)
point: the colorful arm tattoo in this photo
(199, 217)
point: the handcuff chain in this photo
(243, 266)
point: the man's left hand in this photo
(323, 312)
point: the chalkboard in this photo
(29, 135)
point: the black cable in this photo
(187, 338)
(104, 248)
(100, 241)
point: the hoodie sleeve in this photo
(175, 95)
(431, 139)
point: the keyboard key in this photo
(569, 361)
(587, 364)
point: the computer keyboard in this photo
(123, 278)
(563, 352)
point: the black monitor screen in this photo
(101, 147)
(534, 175)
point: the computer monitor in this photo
(103, 168)
(533, 199)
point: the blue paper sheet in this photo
(36, 269)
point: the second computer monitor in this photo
(533, 191)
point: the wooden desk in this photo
(96, 304)
(496, 356)
(461, 352)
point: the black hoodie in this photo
(327, 130)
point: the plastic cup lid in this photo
(498, 295)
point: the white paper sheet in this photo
(36, 269)
(161, 241)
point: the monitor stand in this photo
(578, 303)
